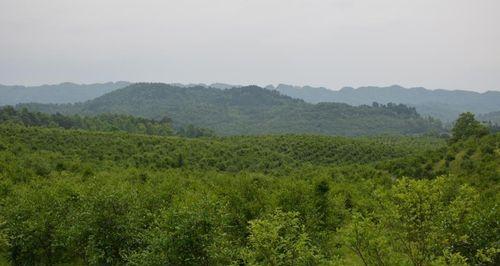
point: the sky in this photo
(448, 44)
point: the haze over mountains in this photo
(493, 117)
(60, 93)
(69, 92)
(442, 104)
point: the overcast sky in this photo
(450, 44)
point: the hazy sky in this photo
(452, 44)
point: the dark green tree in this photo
(467, 126)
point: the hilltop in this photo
(69, 92)
(445, 105)
(249, 110)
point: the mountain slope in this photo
(249, 110)
(61, 93)
(443, 104)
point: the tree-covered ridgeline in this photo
(445, 105)
(249, 110)
(82, 197)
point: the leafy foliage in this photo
(418, 223)
(280, 239)
(114, 198)
(233, 154)
(467, 126)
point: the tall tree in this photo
(467, 126)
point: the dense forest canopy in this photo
(250, 110)
(84, 197)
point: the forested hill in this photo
(69, 92)
(249, 110)
(61, 93)
(443, 104)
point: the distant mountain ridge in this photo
(443, 104)
(249, 110)
(61, 93)
(69, 92)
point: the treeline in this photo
(103, 122)
(110, 198)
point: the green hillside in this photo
(79, 197)
(227, 153)
(250, 110)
